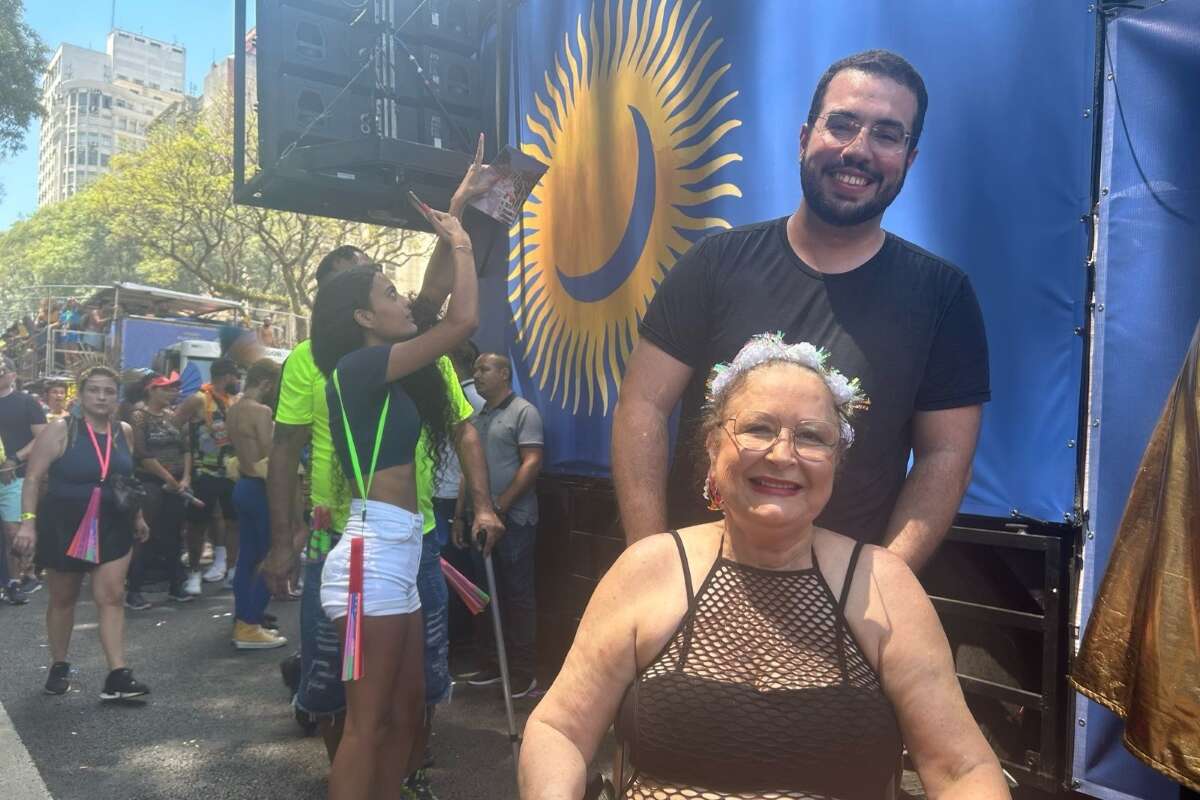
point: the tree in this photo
(66, 244)
(22, 60)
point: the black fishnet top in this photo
(762, 693)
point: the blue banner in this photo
(664, 120)
(1147, 307)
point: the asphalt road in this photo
(217, 724)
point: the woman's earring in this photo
(711, 494)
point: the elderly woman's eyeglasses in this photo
(888, 138)
(758, 431)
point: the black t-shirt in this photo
(18, 411)
(905, 323)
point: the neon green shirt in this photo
(302, 402)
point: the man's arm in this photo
(943, 447)
(282, 476)
(37, 421)
(523, 481)
(188, 410)
(475, 477)
(653, 384)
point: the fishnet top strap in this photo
(839, 619)
(858, 546)
(687, 572)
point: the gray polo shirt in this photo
(513, 424)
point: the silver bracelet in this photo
(463, 247)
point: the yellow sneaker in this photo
(255, 637)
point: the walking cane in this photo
(501, 654)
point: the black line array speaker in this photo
(381, 95)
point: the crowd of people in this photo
(777, 646)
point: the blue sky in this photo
(203, 27)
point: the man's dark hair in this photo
(265, 370)
(885, 64)
(346, 252)
(224, 366)
(463, 357)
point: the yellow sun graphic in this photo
(629, 128)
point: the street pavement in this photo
(217, 724)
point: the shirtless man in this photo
(250, 427)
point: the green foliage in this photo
(164, 216)
(22, 59)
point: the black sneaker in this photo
(488, 676)
(30, 584)
(121, 685)
(14, 596)
(418, 784)
(270, 622)
(135, 602)
(59, 679)
(178, 595)
(522, 686)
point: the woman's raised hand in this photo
(445, 225)
(480, 177)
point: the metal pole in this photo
(239, 95)
(502, 657)
(503, 59)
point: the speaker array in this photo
(401, 70)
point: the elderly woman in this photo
(761, 656)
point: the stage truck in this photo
(143, 327)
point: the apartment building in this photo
(99, 104)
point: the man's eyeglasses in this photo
(887, 138)
(758, 431)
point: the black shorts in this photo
(213, 492)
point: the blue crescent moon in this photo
(598, 284)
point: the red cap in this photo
(164, 380)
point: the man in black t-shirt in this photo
(903, 321)
(21, 417)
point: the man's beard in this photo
(844, 213)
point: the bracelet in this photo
(27, 515)
(466, 247)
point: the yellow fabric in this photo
(1141, 652)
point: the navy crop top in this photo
(361, 375)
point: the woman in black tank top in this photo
(78, 526)
(761, 657)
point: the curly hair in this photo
(335, 333)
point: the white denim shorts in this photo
(391, 557)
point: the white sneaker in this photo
(229, 578)
(215, 573)
(192, 584)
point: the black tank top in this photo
(762, 692)
(74, 474)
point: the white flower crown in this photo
(766, 347)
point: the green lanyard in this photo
(364, 487)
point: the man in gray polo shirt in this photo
(511, 431)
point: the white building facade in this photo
(99, 104)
